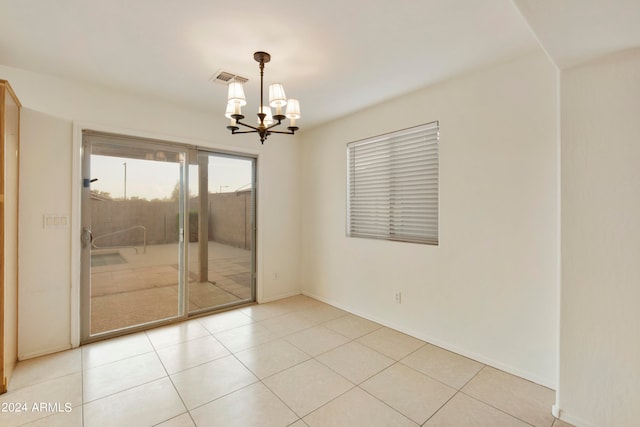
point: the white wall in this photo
(44, 255)
(489, 290)
(599, 382)
(46, 267)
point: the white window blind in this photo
(392, 186)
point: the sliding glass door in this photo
(132, 233)
(167, 232)
(222, 272)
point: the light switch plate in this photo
(55, 221)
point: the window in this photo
(392, 186)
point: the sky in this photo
(151, 179)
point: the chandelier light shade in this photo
(236, 94)
(277, 98)
(293, 110)
(266, 119)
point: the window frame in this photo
(387, 201)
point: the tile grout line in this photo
(282, 401)
(311, 357)
(382, 401)
(259, 380)
(441, 406)
(315, 358)
(398, 361)
(172, 384)
(127, 388)
(482, 401)
(496, 408)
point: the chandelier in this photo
(266, 120)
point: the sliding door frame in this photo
(192, 147)
(203, 223)
(124, 146)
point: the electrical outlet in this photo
(399, 297)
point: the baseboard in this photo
(22, 357)
(546, 382)
(568, 418)
(277, 297)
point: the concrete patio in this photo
(130, 287)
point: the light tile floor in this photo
(294, 362)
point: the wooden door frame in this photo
(4, 92)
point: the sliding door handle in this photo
(86, 237)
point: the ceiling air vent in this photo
(225, 77)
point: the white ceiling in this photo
(336, 56)
(575, 31)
